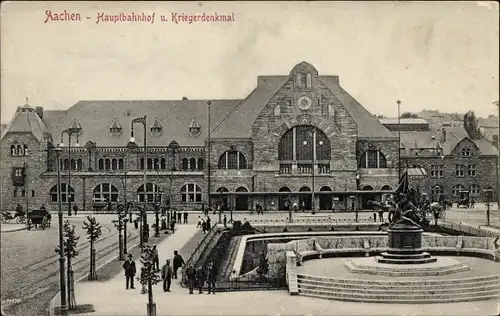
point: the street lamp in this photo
(174, 146)
(74, 129)
(313, 135)
(357, 197)
(142, 120)
(126, 214)
(399, 138)
(62, 282)
(157, 200)
(25, 173)
(208, 157)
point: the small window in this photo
(15, 192)
(277, 111)
(32, 193)
(23, 193)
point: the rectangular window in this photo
(15, 192)
(472, 170)
(23, 193)
(459, 170)
(465, 152)
(437, 171)
(32, 193)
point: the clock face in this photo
(304, 102)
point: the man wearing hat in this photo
(166, 275)
(129, 267)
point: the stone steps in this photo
(386, 287)
(398, 300)
(402, 282)
(411, 291)
(228, 261)
(407, 291)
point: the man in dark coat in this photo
(179, 217)
(209, 223)
(211, 276)
(191, 278)
(129, 267)
(172, 226)
(178, 262)
(200, 279)
(185, 217)
(225, 221)
(166, 276)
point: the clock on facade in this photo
(304, 102)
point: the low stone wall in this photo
(480, 231)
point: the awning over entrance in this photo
(356, 192)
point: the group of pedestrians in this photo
(196, 277)
(175, 218)
(168, 271)
(204, 223)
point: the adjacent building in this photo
(298, 137)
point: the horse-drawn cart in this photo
(39, 218)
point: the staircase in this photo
(398, 291)
(227, 264)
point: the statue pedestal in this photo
(405, 245)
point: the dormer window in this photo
(156, 128)
(194, 128)
(115, 128)
(466, 152)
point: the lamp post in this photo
(174, 146)
(208, 158)
(142, 120)
(497, 103)
(399, 139)
(157, 200)
(488, 199)
(357, 197)
(126, 214)
(62, 282)
(26, 192)
(313, 135)
(74, 129)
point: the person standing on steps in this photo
(129, 267)
(209, 223)
(225, 221)
(178, 263)
(166, 276)
(191, 278)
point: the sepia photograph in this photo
(249, 158)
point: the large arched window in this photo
(101, 164)
(304, 143)
(114, 164)
(151, 192)
(107, 164)
(200, 163)
(106, 191)
(386, 188)
(150, 163)
(66, 192)
(232, 160)
(191, 193)
(120, 164)
(372, 159)
(192, 164)
(456, 189)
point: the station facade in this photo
(292, 135)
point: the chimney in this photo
(39, 111)
(184, 98)
(443, 137)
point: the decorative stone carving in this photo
(304, 119)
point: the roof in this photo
(454, 135)
(26, 120)
(391, 121)
(239, 122)
(175, 117)
(368, 125)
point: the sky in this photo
(442, 55)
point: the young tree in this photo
(120, 224)
(69, 244)
(149, 276)
(93, 232)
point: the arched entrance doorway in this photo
(241, 200)
(222, 199)
(325, 200)
(305, 199)
(284, 202)
(369, 197)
